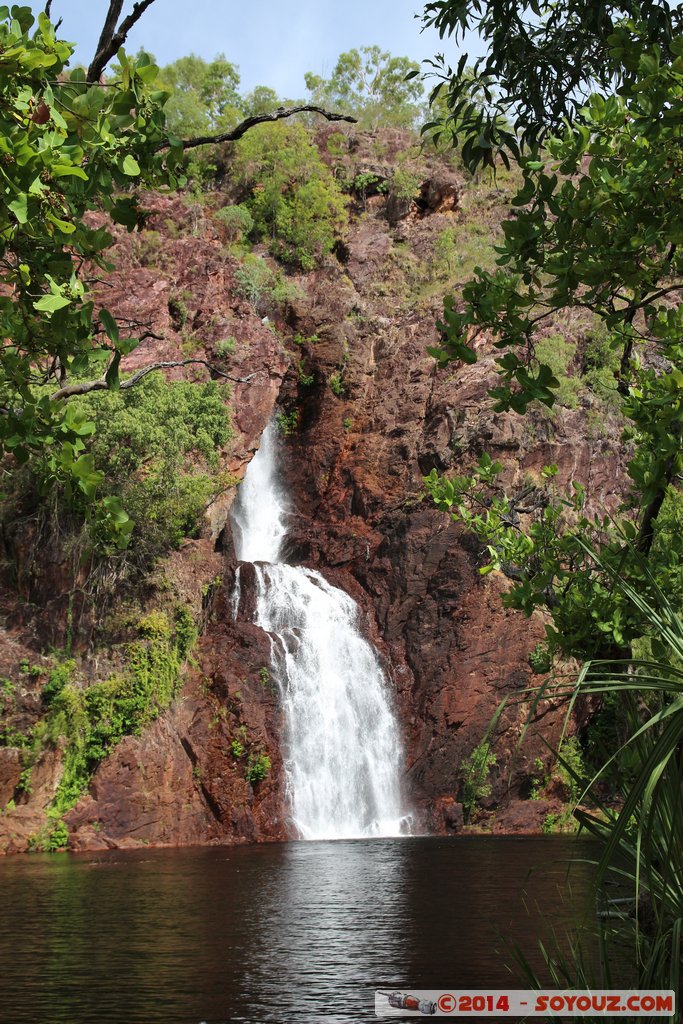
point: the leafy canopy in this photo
(66, 147)
(157, 448)
(594, 92)
(203, 95)
(374, 86)
(261, 100)
(542, 62)
(598, 225)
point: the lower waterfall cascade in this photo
(343, 751)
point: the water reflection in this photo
(297, 932)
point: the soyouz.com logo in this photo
(525, 1003)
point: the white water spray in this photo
(343, 751)
(259, 513)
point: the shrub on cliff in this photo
(90, 721)
(68, 146)
(475, 773)
(295, 201)
(158, 446)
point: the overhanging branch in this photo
(113, 38)
(86, 387)
(250, 122)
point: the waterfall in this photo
(342, 743)
(259, 513)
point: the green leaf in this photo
(84, 467)
(65, 226)
(68, 170)
(110, 325)
(112, 374)
(19, 208)
(51, 303)
(130, 166)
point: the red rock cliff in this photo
(368, 416)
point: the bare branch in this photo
(249, 122)
(48, 8)
(86, 387)
(107, 34)
(112, 38)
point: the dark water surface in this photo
(285, 932)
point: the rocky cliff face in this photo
(365, 415)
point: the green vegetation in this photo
(375, 87)
(558, 354)
(569, 265)
(57, 680)
(336, 383)
(367, 183)
(145, 439)
(572, 769)
(642, 840)
(475, 773)
(235, 221)
(54, 172)
(459, 251)
(540, 659)
(159, 447)
(94, 719)
(306, 380)
(538, 779)
(303, 339)
(597, 225)
(288, 422)
(261, 100)
(203, 96)
(446, 253)
(290, 193)
(258, 767)
(226, 346)
(52, 838)
(560, 821)
(406, 181)
(266, 288)
(89, 721)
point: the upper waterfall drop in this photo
(259, 513)
(343, 751)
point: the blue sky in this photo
(273, 43)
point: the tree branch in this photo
(112, 38)
(646, 534)
(106, 35)
(249, 122)
(86, 387)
